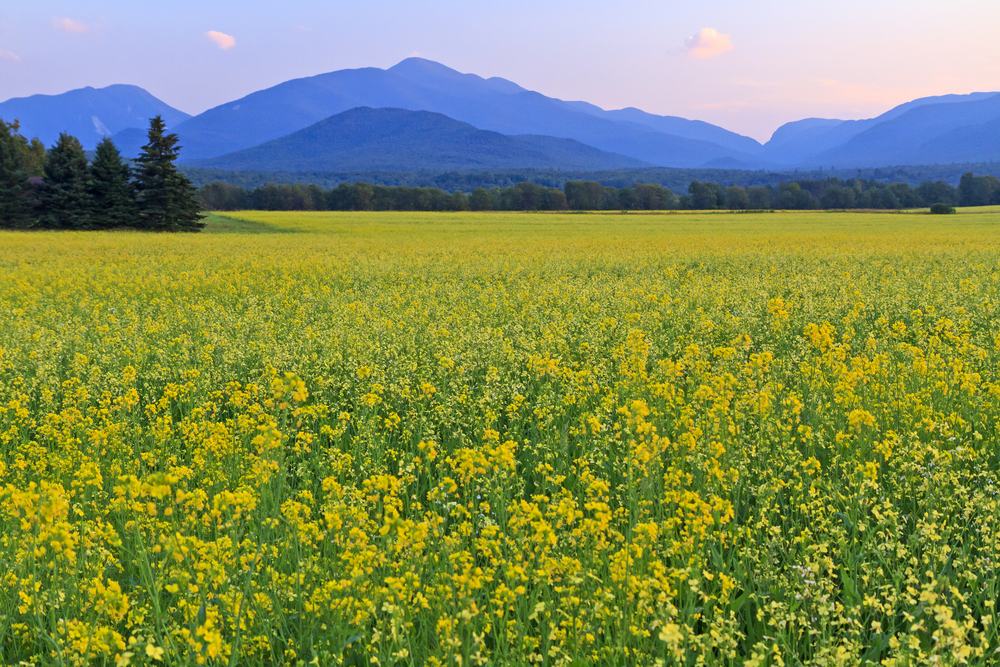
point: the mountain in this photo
(366, 139)
(813, 141)
(681, 127)
(421, 85)
(88, 113)
(946, 129)
(955, 130)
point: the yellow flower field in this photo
(503, 439)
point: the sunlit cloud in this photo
(9, 56)
(707, 44)
(69, 25)
(224, 41)
(415, 54)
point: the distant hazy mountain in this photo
(421, 85)
(954, 130)
(944, 130)
(366, 139)
(814, 141)
(88, 113)
(675, 125)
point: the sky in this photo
(749, 67)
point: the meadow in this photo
(503, 439)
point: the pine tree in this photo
(16, 195)
(167, 200)
(65, 202)
(112, 194)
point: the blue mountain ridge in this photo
(420, 85)
(385, 139)
(944, 129)
(804, 142)
(89, 114)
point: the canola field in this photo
(503, 439)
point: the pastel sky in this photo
(747, 66)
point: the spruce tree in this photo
(65, 202)
(16, 195)
(167, 200)
(112, 194)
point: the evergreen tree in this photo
(167, 200)
(111, 192)
(65, 202)
(32, 152)
(16, 198)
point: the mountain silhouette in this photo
(366, 139)
(89, 114)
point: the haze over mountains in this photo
(301, 125)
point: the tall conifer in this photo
(167, 200)
(16, 197)
(64, 198)
(111, 191)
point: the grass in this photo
(216, 223)
(503, 439)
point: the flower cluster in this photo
(515, 440)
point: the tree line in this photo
(675, 178)
(829, 193)
(59, 188)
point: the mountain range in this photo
(89, 114)
(366, 139)
(368, 118)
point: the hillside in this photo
(398, 139)
(942, 132)
(945, 129)
(88, 113)
(421, 85)
(813, 142)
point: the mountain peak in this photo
(88, 113)
(416, 63)
(435, 75)
(386, 139)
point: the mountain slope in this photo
(420, 85)
(366, 139)
(88, 113)
(675, 125)
(949, 127)
(805, 142)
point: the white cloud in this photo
(69, 25)
(224, 41)
(707, 44)
(415, 54)
(9, 56)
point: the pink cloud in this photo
(69, 25)
(224, 41)
(9, 56)
(707, 44)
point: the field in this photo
(503, 439)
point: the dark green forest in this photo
(61, 188)
(669, 177)
(830, 193)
